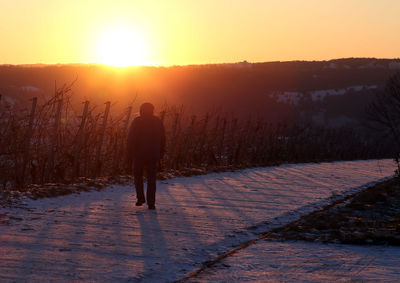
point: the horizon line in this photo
(186, 65)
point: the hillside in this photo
(327, 92)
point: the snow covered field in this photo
(102, 236)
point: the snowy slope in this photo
(102, 236)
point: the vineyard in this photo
(53, 141)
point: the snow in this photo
(10, 101)
(372, 65)
(321, 94)
(394, 65)
(268, 261)
(29, 88)
(293, 97)
(102, 236)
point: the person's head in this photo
(146, 109)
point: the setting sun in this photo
(122, 47)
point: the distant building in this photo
(244, 64)
(240, 65)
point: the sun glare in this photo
(121, 47)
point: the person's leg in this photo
(151, 170)
(138, 178)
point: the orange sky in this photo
(172, 32)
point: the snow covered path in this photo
(102, 236)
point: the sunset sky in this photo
(174, 32)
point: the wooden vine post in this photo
(54, 140)
(221, 143)
(28, 142)
(232, 141)
(122, 141)
(203, 136)
(188, 142)
(100, 143)
(212, 149)
(79, 139)
(171, 152)
(161, 162)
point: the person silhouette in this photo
(145, 147)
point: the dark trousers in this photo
(139, 166)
